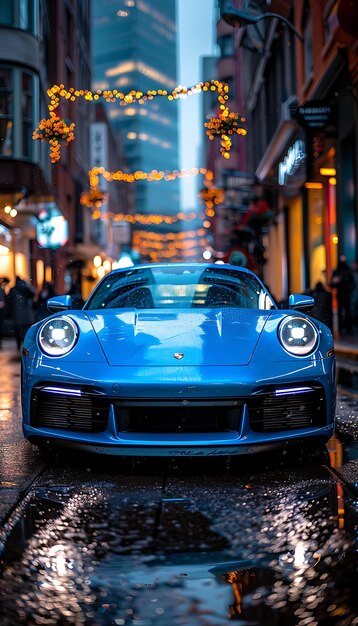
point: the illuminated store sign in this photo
(52, 232)
(316, 114)
(294, 157)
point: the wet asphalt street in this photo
(259, 541)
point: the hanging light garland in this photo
(54, 130)
(222, 126)
(152, 176)
(145, 220)
(94, 197)
(227, 123)
(59, 91)
(171, 245)
(212, 196)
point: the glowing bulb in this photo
(125, 261)
(13, 213)
(297, 333)
(7, 209)
(97, 261)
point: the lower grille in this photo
(69, 412)
(186, 416)
(288, 410)
(271, 410)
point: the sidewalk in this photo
(346, 348)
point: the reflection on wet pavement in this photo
(265, 546)
(18, 460)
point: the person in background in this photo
(76, 295)
(322, 309)
(343, 282)
(20, 301)
(3, 281)
(41, 310)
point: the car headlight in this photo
(297, 335)
(58, 336)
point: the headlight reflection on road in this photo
(58, 561)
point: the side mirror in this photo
(300, 302)
(59, 303)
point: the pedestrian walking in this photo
(322, 308)
(343, 282)
(20, 301)
(41, 310)
(3, 281)
(76, 295)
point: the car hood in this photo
(152, 338)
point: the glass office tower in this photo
(134, 47)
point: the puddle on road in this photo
(278, 553)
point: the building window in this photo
(18, 89)
(21, 14)
(329, 18)
(307, 45)
(27, 113)
(6, 113)
(6, 13)
(226, 43)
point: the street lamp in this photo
(238, 18)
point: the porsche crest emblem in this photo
(178, 355)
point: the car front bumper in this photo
(184, 388)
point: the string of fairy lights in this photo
(227, 123)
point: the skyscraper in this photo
(134, 47)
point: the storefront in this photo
(322, 224)
(291, 171)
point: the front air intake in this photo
(288, 408)
(68, 409)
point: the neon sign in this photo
(294, 157)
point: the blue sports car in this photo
(178, 359)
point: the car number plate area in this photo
(179, 416)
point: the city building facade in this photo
(41, 43)
(299, 89)
(46, 232)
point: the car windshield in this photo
(180, 287)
